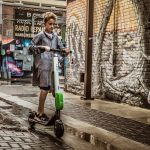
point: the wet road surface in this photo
(14, 133)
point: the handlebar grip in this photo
(36, 50)
(59, 51)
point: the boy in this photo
(43, 62)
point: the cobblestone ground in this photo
(128, 128)
(14, 134)
(12, 140)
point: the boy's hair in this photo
(48, 16)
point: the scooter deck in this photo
(34, 119)
(45, 123)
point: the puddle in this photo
(10, 122)
(20, 111)
(87, 104)
(95, 141)
(11, 117)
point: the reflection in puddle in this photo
(20, 111)
(87, 104)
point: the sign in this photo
(27, 22)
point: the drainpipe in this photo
(88, 50)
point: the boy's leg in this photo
(41, 115)
(44, 87)
(42, 98)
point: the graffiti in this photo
(10, 65)
(76, 63)
(75, 40)
(123, 57)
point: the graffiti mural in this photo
(76, 43)
(123, 53)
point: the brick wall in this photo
(121, 64)
(8, 12)
(76, 27)
(119, 35)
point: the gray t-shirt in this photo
(44, 61)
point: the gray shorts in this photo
(45, 77)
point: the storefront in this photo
(19, 25)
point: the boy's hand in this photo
(47, 48)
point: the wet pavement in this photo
(125, 121)
(14, 133)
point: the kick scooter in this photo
(59, 101)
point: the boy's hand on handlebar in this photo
(47, 48)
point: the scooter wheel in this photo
(31, 123)
(59, 128)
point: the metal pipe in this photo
(114, 41)
(88, 50)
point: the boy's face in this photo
(49, 25)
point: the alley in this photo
(94, 57)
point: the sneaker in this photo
(43, 117)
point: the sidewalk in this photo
(108, 125)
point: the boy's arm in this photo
(34, 44)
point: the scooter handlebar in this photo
(38, 50)
(59, 51)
